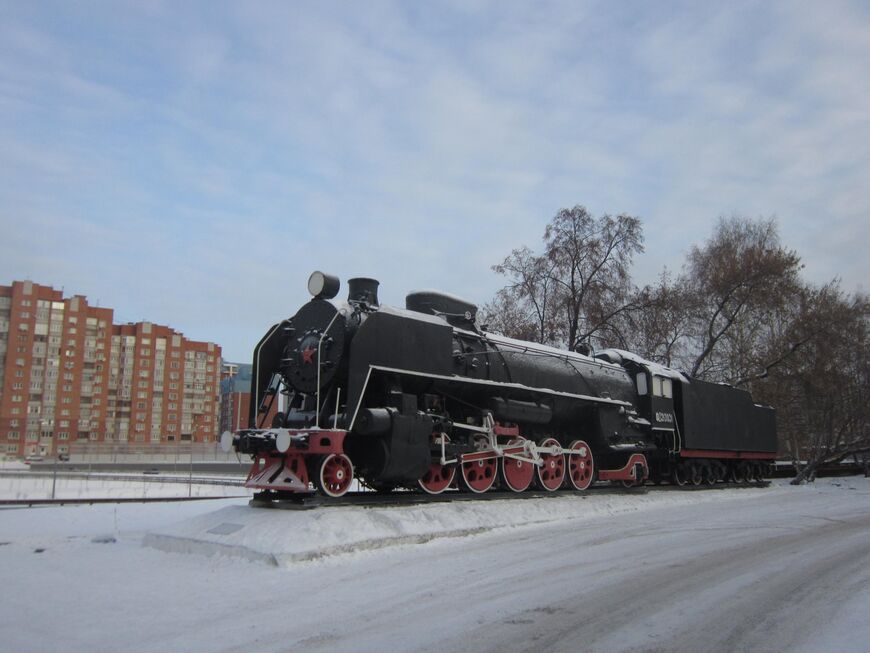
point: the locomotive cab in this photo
(656, 403)
(659, 389)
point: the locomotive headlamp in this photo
(322, 285)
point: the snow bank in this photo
(284, 536)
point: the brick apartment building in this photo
(68, 373)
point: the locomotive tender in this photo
(423, 397)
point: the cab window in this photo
(641, 384)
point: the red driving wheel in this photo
(581, 466)
(551, 473)
(516, 475)
(438, 477)
(478, 475)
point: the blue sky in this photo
(191, 163)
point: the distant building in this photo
(235, 396)
(68, 373)
(236, 380)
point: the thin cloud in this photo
(191, 164)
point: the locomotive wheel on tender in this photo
(478, 475)
(757, 472)
(745, 473)
(439, 477)
(516, 475)
(709, 474)
(551, 474)
(334, 475)
(696, 474)
(681, 475)
(733, 474)
(581, 465)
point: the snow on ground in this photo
(780, 568)
(286, 536)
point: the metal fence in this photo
(139, 452)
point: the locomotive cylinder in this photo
(374, 421)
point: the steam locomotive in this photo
(423, 397)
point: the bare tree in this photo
(579, 288)
(738, 312)
(525, 307)
(741, 271)
(660, 329)
(818, 378)
(591, 260)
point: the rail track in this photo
(364, 498)
(370, 498)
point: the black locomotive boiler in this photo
(423, 397)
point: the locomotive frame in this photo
(423, 397)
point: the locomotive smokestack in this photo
(363, 290)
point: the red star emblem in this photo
(308, 355)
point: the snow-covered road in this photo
(756, 569)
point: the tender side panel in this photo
(722, 418)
